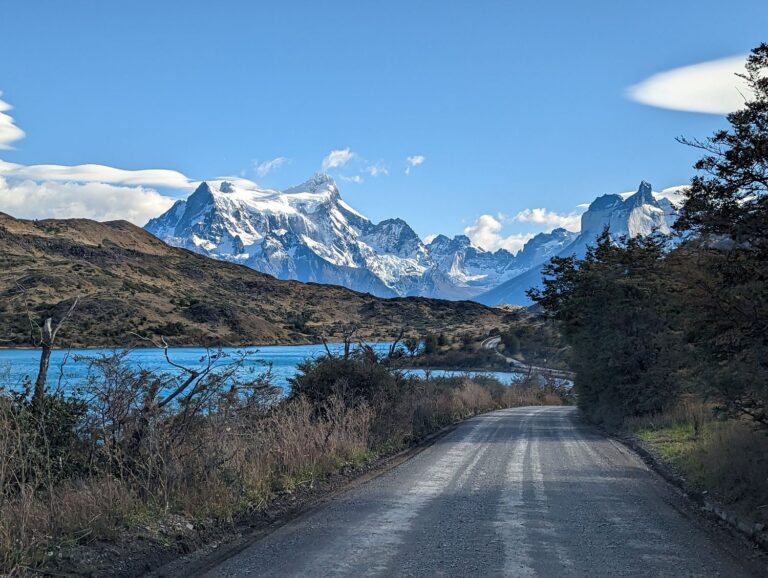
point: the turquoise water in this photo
(71, 368)
(73, 365)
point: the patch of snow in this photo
(203, 243)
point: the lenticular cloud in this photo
(710, 87)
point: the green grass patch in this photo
(727, 459)
(678, 446)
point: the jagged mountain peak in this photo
(463, 240)
(558, 233)
(629, 214)
(203, 188)
(392, 234)
(203, 192)
(458, 242)
(394, 222)
(643, 196)
(543, 246)
(439, 240)
(306, 232)
(318, 182)
(638, 213)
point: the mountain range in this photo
(309, 233)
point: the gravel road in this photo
(519, 492)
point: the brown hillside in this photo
(130, 282)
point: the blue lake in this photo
(72, 367)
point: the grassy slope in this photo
(129, 281)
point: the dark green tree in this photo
(726, 215)
(511, 342)
(611, 309)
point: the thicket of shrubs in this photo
(653, 324)
(205, 443)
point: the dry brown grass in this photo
(690, 410)
(230, 465)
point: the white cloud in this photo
(86, 191)
(376, 170)
(414, 161)
(357, 179)
(550, 219)
(9, 132)
(429, 238)
(485, 233)
(265, 167)
(710, 87)
(337, 158)
(98, 174)
(100, 201)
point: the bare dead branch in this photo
(325, 344)
(393, 347)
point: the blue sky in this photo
(512, 106)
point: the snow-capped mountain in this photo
(309, 233)
(630, 214)
(469, 266)
(306, 232)
(542, 248)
